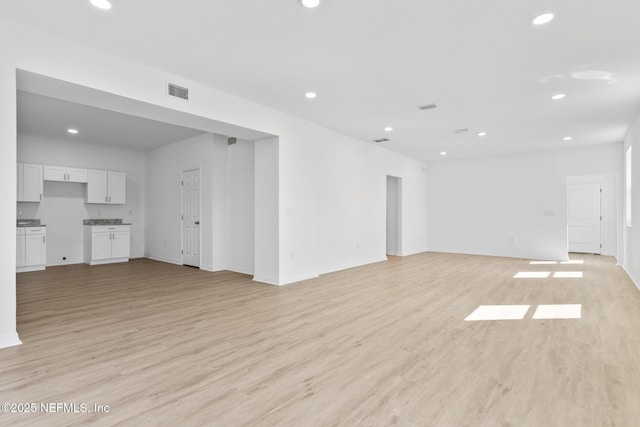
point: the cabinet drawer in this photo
(109, 228)
(35, 230)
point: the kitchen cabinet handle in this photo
(44, 239)
(197, 223)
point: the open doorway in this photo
(394, 215)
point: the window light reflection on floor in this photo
(567, 274)
(558, 311)
(498, 312)
(543, 262)
(532, 275)
(573, 261)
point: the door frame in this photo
(199, 169)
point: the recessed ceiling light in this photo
(444, 153)
(310, 3)
(101, 4)
(567, 138)
(310, 95)
(482, 134)
(72, 131)
(558, 96)
(542, 19)
(388, 129)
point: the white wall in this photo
(631, 261)
(164, 197)
(352, 203)
(297, 175)
(496, 206)
(226, 197)
(63, 208)
(8, 158)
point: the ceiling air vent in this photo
(178, 91)
(382, 140)
(427, 107)
(463, 130)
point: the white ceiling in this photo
(373, 62)
(51, 117)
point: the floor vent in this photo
(178, 91)
(464, 130)
(381, 140)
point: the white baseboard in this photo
(298, 278)
(9, 340)
(266, 280)
(354, 264)
(635, 282)
(409, 253)
(161, 259)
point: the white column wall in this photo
(631, 261)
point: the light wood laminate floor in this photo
(385, 344)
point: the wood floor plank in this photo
(384, 344)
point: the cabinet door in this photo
(117, 188)
(100, 246)
(55, 173)
(35, 249)
(77, 175)
(96, 191)
(20, 250)
(120, 244)
(31, 183)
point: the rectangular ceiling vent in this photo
(178, 91)
(464, 130)
(382, 140)
(427, 107)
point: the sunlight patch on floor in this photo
(532, 275)
(567, 274)
(498, 312)
(558, 311)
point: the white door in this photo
(584, 218)
(191, 217)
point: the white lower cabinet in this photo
(104, 244)
(31, 249)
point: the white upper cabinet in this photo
(64, 174)
(106, 187)
(29, 182)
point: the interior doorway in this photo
(394, 215)
(584, 218)
(191, 217)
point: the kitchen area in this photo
(104, 240)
